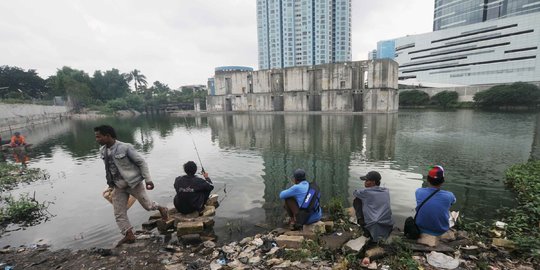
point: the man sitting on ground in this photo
(192, 192)
(372, 206)
(433, 218)
(301, 195)
(17, 140)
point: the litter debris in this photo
(439, 260)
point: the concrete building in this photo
(492, 52)
(301, 33)
(454, 13)
(372, 55)
(361, 86)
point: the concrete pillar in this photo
(196, 104)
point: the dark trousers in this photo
(357, 204)
(291, 206)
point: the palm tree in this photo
(137, 77)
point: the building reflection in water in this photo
(328, 147)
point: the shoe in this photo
(129, 238)
(164, 212)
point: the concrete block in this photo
(180, 217)
(428, 240)
(305, 234)
(209, 211)
(448, 236)
(329, 226)
(213, 200)
(317, 227)
(355, 244)
(189, 227)
(505, 243)
(191, 238)
(289, 241)
(150, 225)
(164, 226)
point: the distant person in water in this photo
(125, 169)
(17, 140)
(192, 191)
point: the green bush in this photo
(445, 98)
(516, 94)
(135, 102)
(523, 220)
(117, 104)
(25, 210)
(413, 98)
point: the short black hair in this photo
(190, 168)
(106, 130)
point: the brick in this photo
(164, 226)
(189, 227)
(289, 241)
(317, 227)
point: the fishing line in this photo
(193, 141)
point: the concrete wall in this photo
(328, 88)
(16, 116)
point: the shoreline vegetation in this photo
(518, 96)
(511, 243)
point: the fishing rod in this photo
(193, 141)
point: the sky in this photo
(176, 42)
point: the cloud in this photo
(177, 42)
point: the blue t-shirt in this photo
(298, 191)
(434, 215)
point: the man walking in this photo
(125, 170)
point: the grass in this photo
(11, 175)
(401, 258)
(24, 209)
(524, 220)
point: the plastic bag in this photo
(107, 194)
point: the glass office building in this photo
(386, 49)
(453, 13)
(303, 32)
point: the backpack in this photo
(309, 205)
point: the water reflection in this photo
(251, 157)
(321, 144)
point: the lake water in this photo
(250, 158)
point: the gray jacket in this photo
(130, 164)
(376, 210)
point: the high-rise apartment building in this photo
(303, 32)
(453, 13)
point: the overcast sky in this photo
(177, 42)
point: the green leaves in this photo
(516, 94)
(524, 220)
(413, 98)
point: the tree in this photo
(413, 98)
(445, 98)
(109, 85)
(15, 81)
(75, 84)
(516, 94)
(138, 79)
